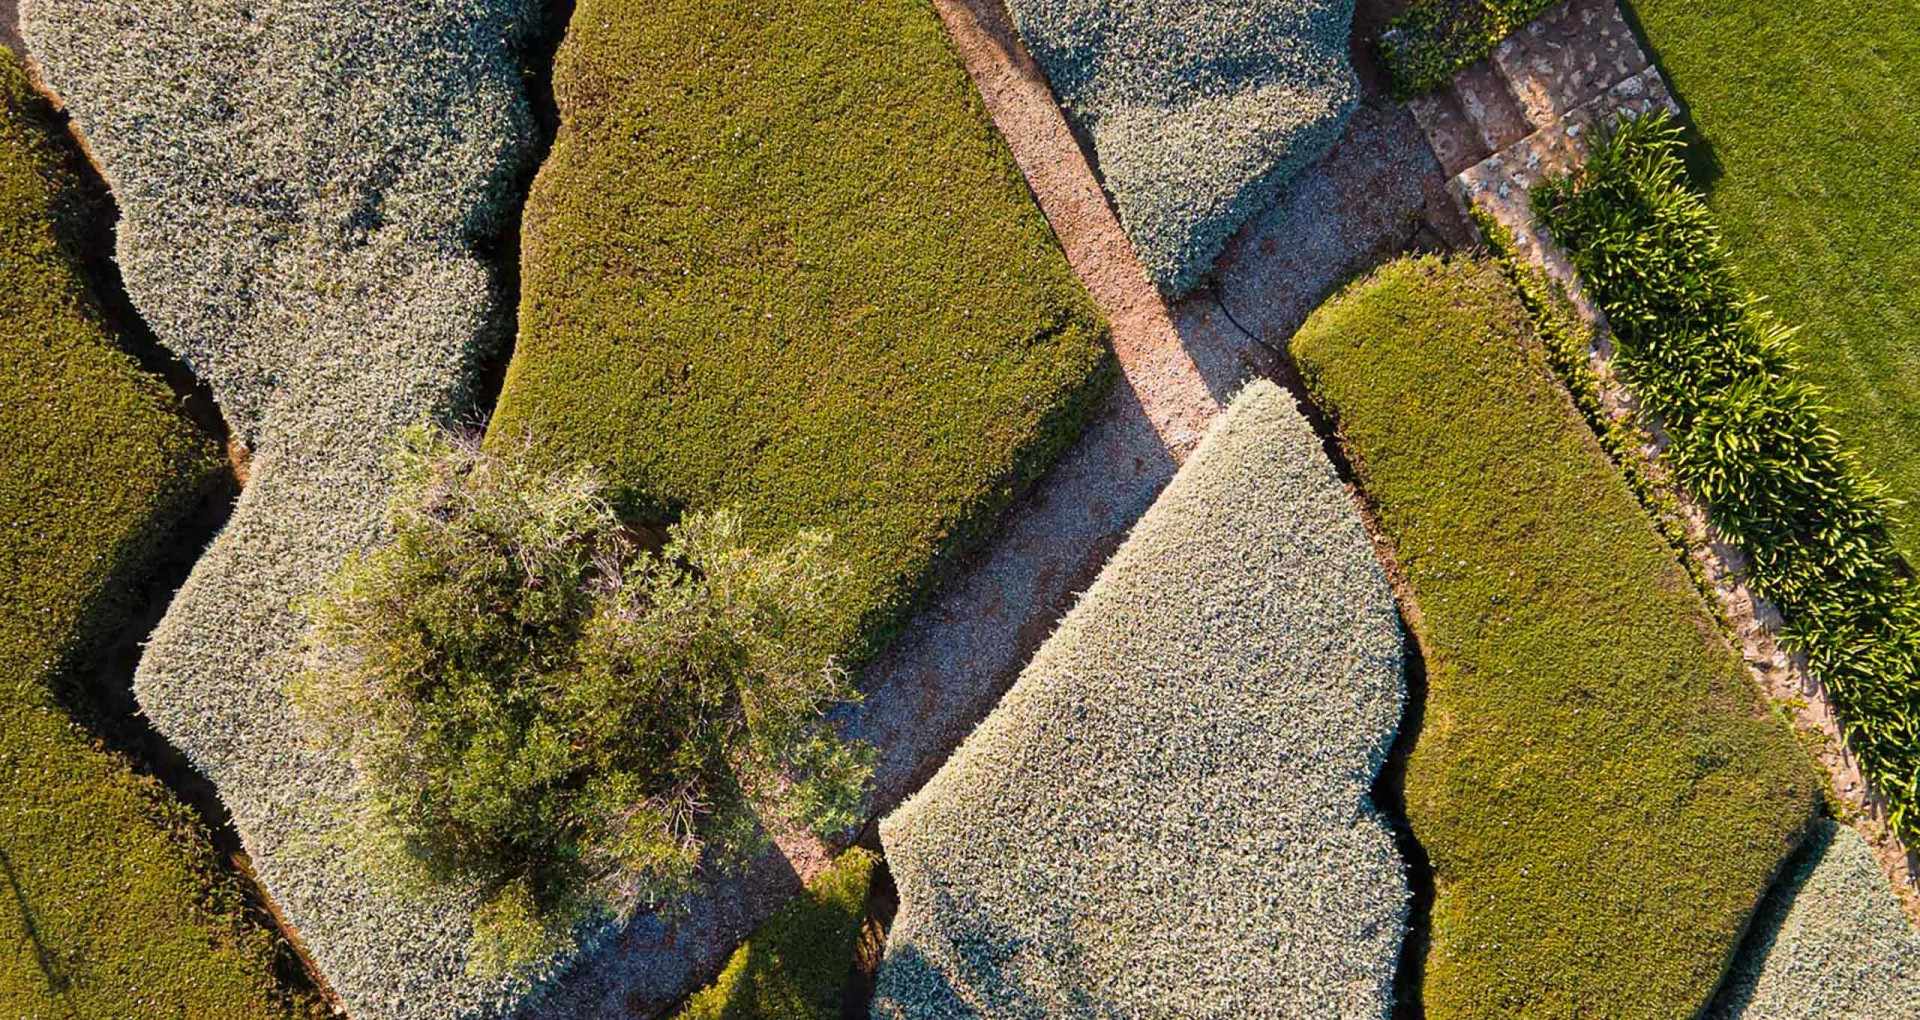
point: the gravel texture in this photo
(1830, 943)
(304, 186)
(1198, 110)
(1167, 814)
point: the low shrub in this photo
(1831, 941)
(797, 965)
(535, 701)
(1750, 440)
(115, 901)
(1167, 815)
(1601, 793)
(1196, 118)
(304, 190)
(1432, 40)
(779, 260)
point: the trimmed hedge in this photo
(1197, 117)
(1750, 439)
(1430, 42)
(115, 905)
(797, 965)
(779, 261)
(1167, 815)
(1830, 942)
(1603, 798)
(304, 189)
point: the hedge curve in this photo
(1197, 115)
(304, 188)
(1167, 814)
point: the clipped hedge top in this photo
(779, 260)
(1831, 941)
(1167, 815)
(1197, 115)
(115, 899)
(303, 188)
(1603, 798)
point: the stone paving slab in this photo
(1568, 57)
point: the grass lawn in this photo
(113, 904)
(1601, 792)
(1809, 112)
(797, 965)
(779, 260)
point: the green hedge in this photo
(1430, 42)
(1603, 797)
(797, 965)
(779, 260)
(113, 902)
(1750, 438)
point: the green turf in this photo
(1812, 114)
(779, 260)
(797, 965)
(111, 904)
(1601, 792)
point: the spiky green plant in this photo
(1749, 437)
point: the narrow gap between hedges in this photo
(99, 693)
(502, 253)
(1389, 791)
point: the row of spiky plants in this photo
(1748, 437)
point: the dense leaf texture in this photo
(1750, 438)
(1432, 40)
(113, 900)
(534, 700)
(1602, 796)
(780, 261)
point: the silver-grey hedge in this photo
(1198, 110)
(305, 184)
(1167, 815)
(1831, 942)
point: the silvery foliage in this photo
(1198, 110)
(1831, 941)
(1167, 815)
(304, 184)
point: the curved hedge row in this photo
(1167, 815)
(1197, 116)
(1750, 439)
(304, 187)
(779, 261)
(1603, 797)
(1831, 941)
(113, 898)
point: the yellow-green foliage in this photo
(779, 260)
(1601, 793)
(796, 966)
(112, 905)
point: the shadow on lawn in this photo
(1702, 158)
(57, 980)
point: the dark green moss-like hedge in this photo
(1601, 793)
(112, 904)
(796, 966)
(1433, 40)
(779, 260)
(1751, 439)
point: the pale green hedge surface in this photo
(1830, 942)
(303, 189)
(1167, 815)
(1197, 115)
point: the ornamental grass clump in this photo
(539, 703)
(1749, 438)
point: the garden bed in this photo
(1601, 793)
(1168, 812)
(115, 900)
